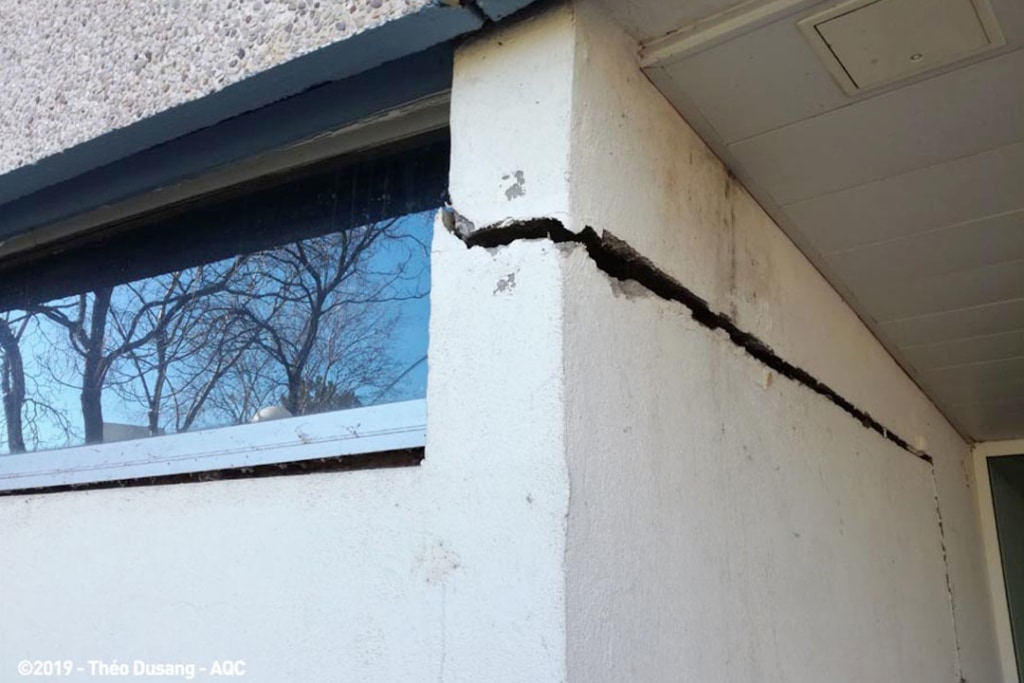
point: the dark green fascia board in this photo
(496, 10)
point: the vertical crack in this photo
(958, 670)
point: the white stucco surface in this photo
(450, 571)
(728, 524)
(75, 70)
(638, 171)
(510, 114)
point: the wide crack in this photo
(617, 259)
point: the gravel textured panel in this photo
(71, 70)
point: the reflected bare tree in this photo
(322, 316)
(30, 417)
(183, 351)
(309, 326)
(12, 382)
(141, 316)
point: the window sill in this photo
(393, 427)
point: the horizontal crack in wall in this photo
(616, 258)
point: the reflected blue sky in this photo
(309, 296)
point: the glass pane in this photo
(303, 295)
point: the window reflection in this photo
(308, 296)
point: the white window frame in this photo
(387, 427)
(993, 556)
(371, 429)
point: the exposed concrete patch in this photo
(438, 562)
(619, 260)
(506, 284)
(517, 188)
(630, 289)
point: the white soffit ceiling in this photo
(905, 187)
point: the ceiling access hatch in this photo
(870, 43)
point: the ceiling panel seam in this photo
(923, 233)
(876, 181)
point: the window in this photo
(279, 320)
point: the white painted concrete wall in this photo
(451, 571)
(510, 121)
(638, 171)
(731, 525)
